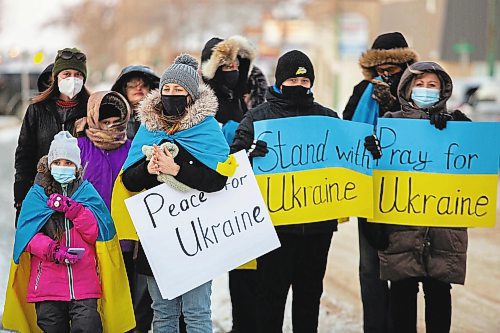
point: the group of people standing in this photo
(151, 129)
(394, 259)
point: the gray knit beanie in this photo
(64, 146)
(184, 72)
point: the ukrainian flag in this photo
(205, 141)
(115, 305)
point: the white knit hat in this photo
(64, 146)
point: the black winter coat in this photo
(278, 107)
(232, 105)
(41, 122)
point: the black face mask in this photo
(295, 93)
(174, 105)
(230, 78)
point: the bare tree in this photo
(154, 31)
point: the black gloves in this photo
(258, 149)
(439, 119)
(382, 94)
(458, 115)
(373, 146)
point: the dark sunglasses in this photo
(66, 55)
(391, 70)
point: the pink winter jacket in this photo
(64, 282)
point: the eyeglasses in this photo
(66, 55)
(389, 69)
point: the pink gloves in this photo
(61, 255)
(59, 202)
(64, 204)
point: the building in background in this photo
(463, 35)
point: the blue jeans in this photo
(374, 292)
(195, 306)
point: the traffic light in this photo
(38, 57)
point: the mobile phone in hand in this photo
(78, 251)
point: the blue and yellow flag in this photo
(368, 109)
(115, 305)
(204, 141)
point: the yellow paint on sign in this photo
(431, 199)
(316, 195)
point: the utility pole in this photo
(491, 39)
(25, 81)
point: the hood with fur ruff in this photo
(149, 112)
(226, 52)
(375, 57)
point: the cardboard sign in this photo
(317, 169)
(191, 237)
(431, 177)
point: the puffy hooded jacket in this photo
(439, 253)
(216, 53)
(63, 282)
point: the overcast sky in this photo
(22, 21)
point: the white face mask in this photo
(70, 86)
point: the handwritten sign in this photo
(190, 238)
(317, 169)
(431, 177)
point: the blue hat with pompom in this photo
(184, 72)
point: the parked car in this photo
(479, 98)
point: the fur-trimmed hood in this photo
(225, 52)
(149, 112)
(374, 57)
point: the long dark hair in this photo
(52, 92)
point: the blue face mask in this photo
(63, 174)
(425, 97)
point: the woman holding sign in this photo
(434, 256)
(181, 144)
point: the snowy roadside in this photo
(9, 130)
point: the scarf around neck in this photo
(109, 138)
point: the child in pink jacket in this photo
(64, 282)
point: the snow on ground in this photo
(476, 306)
